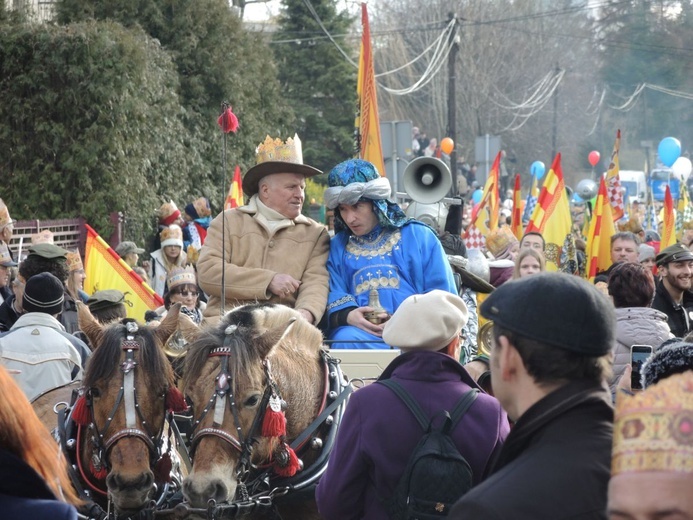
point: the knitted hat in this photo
(6, 257)
(199, 208)
(426, 321)
(557, 309)
(43, 293)
(43, 237)
(168, 213)
(74, 261)
(674, 358)
(181, 276)
(645, 252)
(653, 430)
(171, 236)
(101, 300)
(5, 219)
(125, 248)
(675, 253)
(276, 156)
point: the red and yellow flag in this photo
(601, 229)
(106, 270)
(485, 214)
(552, 216)
(235, 197)
(668, 221)
(367, 121)
(614, 182)
(516, 221)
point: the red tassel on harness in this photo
(162, 470)
(100, 474)
(80, 413)
(274, 421)
(287, 463)
(175, 401)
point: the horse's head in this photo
(128, 386)
(236, 376)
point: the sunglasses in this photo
(187, 293)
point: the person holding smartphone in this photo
(632, 287)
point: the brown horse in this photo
(261, 364)
(121, 448)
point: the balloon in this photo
(669, 150)
(476, 196)
(594, 157)
(682, 168)
(446, 145)
(537, 169)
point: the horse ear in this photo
(265, 342)
(89, 325)
(169, 324)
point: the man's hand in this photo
(283, 285)
(357, 318)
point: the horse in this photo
(120, 450)
(267, 401)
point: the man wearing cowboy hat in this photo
(268, 251)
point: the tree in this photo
(317, 79)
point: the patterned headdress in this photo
(74, 261)
(181, 276)
(44, 237)
(498, 242)
(653, 431)
(199, 208)
(362, 174)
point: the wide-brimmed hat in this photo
(276, 156)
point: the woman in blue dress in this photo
(375, 247)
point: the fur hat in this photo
(168, 213)
(276, 156)
(426, 321)
(43, 292)
(171, 236)
(673, 358)
(557, 309)
(5, 219)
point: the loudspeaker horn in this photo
(427, 180)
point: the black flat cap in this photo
(558, 309)
(675, 253)
(48, 251)
(104, 299)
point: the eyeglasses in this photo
(187, 293)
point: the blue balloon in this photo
(476, 196)
(537, 169)
(669, 150)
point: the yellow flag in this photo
(599, 235)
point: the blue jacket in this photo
(24, 495)
(378, 434)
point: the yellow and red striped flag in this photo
(367, 121)
(235, 197)
(601, 229)
(106, 270)
(668, 221)
(614, 181)
(552, 216)
(485, 214)
(516, 220)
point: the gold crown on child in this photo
(277, 150)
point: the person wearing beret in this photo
(267, 250)
(550, 355)
(375, 248)
(673, 292)
(378, 432)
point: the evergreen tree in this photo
(317, 79)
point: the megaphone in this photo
(427, 180)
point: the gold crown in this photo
(167, 209)
(172, 232)
(499, 240)
(74, 261)
(4, 215)
(277, 150)
(181, 276)
(201, 205)
(653, 431)
(44, 237)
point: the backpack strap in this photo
(408, 400)
(463, 405)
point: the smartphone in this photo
(638, 356)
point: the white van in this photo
(635, 184)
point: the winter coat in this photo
(158, 275)
(680, 317)
(555, 464)
(253, 254)
(378, 434)
(636, 326)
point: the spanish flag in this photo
(235, 197)
(516, 221)
(367, 121)
(614, 182)
(599, 234)
(551, 216)
(106, 270)
(668, 221)
(485, 214)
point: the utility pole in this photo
(555, 118)
(452, 101)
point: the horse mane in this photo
(105, 358)
(251, 321)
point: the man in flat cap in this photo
(672, 293)
(129, 252)
(550, 355)
(107, 306)
(378, 432)
(267, 251)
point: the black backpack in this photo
(437, 475)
